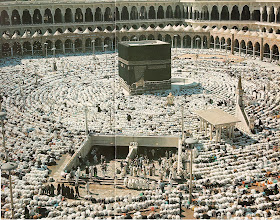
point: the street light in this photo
(46, 46)
(9, 166)
(196, 40)
(191, 142)
(2, 117)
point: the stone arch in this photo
(108, 16)
(57, 16)
(196, 41)
(151, 37)
(236, 45)
(124, 14)
(275, 52)
(215, 13)
(243, 46)
(225, 13)
(187, 41)
(229, 44)
(17, 48)
(143, 26)
(142, 37)
(124, 38)
(133, 13)
(37, 48)
(217, 41)
(212, 42)
(26, 17)
(264, 14)
(205, 42)
(257, 48)
(133, 38)
(159, 37)
(235, 15)
(143, 13)
(245, 15)
(266, 51)
(88, 15)
(256, 15)
(169, 12)
(135, 26)
(15, 17)
(6, 50)
(48, 18)
(116, 14)
(59, 46)
(271, 14)
(278, 15)
(49, 46)
(250, 47)
(152, 13)
(88, 44)
(5, 20)
(177, 41)
(223, 42)
(178, 13)
(79, 15)
(98, 14)
(205, 13)
(98, 44)
(27, 47)
(168, 38)
(68, 15)
(78, 45)
(160, 12)
(68, 45)
(108, 41)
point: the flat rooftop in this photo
(217, 117)
(143, 43)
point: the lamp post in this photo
(2, 117)
(105, 46)
(9, 166)
(86, 118)
(46, 46)
(190, 142)
(53, 50)
(196, 40)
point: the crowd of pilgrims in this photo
(45, 121)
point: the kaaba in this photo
(144, 65)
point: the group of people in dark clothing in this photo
(66, 191)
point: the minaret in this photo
(239, 93)
(244, 123)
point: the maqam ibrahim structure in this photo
(37, 26)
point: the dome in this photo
(227, 31)
(158, 28)
(150, 29)
(67, 31)
(5, 36)
(57, 33)
(36, 34)
(208, 28)
(271, 36)
(263, 34)
(254, 34)
(25, 35)
(141, 29)
(240, 32)
(87, 31)
(247, 33)
(168, 28)
(215, 29)
(114, 31)
(221, 30)
(233, 31)
(96, 30)
(131, 30)
(15, 36)
(123, 29)
(106, 31)
(47, 33)
(198, 29)
(178, 28)
(188, 28)
(77, 31)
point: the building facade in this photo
(40, 27)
